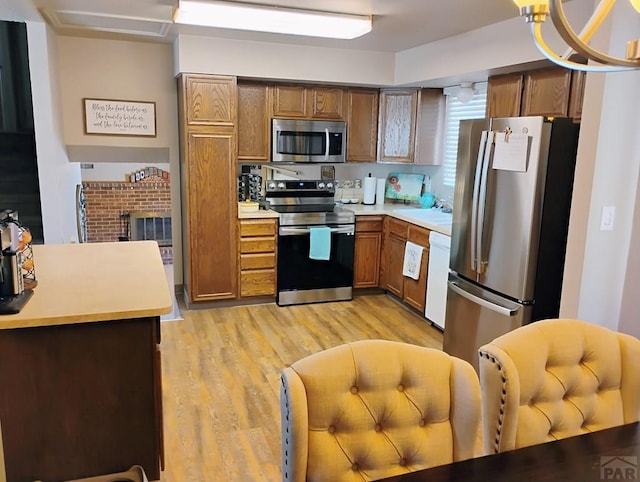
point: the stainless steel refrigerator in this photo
(514, 179)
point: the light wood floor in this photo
(221, 378)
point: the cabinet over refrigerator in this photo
(514, 180)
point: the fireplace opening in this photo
(154, 226)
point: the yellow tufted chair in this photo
(375, 408)
(556, 378)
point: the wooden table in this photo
(80, 391)
(604, 455)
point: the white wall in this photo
(282, 61)
(58, 178)
(472, 55)
(116, 171)
(602, 266)
(124, 70)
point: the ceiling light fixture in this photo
(464, 92)
(273, 19)
(535, 13)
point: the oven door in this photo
(305, 280)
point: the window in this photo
(457, 111)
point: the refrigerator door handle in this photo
(482, 201)
(503, 310)
(475, 202)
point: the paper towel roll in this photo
(369, 190)
(380, 186)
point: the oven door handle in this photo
(285, 231)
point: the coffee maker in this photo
(14, 254)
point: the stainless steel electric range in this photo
(302, 206)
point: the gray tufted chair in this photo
(374, 409)
(556, 378)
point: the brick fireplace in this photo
(110, 205)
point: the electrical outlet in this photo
(608, 215)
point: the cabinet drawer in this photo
(258, 282)
(257, 261)
(419, 235)
(368, 224)
(263, 244)
(397, 227)
(254, 227)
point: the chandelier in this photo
(535, 13)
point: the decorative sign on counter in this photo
(119, 117)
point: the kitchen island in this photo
(80, 364)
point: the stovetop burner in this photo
(306, 202)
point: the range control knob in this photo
(329, 185)
(321, 185)
(271, 186)
(281, 185)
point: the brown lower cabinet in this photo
(257, 257)
(415, 291)
(396, 233)
(366, 261)
(81, 399)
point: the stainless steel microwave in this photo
(308, 141)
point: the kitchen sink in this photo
(434, 216)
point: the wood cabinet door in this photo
(430, 126)
(210, 100)
(254, 117)
(395, 236)
(397, 125)
(415, 291)
(362, 125)
(327, 103)
(394, 257)
(212, 217)
(504, 95)
(290, 101)
(576, 96)
(366, 263)
(546, 92)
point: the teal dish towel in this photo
(320, 243)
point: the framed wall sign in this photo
(119, 117)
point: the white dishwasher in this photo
(438, 273)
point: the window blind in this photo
(457, 111)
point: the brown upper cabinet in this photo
(504, 95)
(553, 92)
(290, 101)
(327, 103)
(577, 94)
(254, 113)
(308, 102)
(362, 125)
(430, 126)
(210, 100)
(546, 92)
(397, 125)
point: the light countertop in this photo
(79, 283)
(388, 209)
